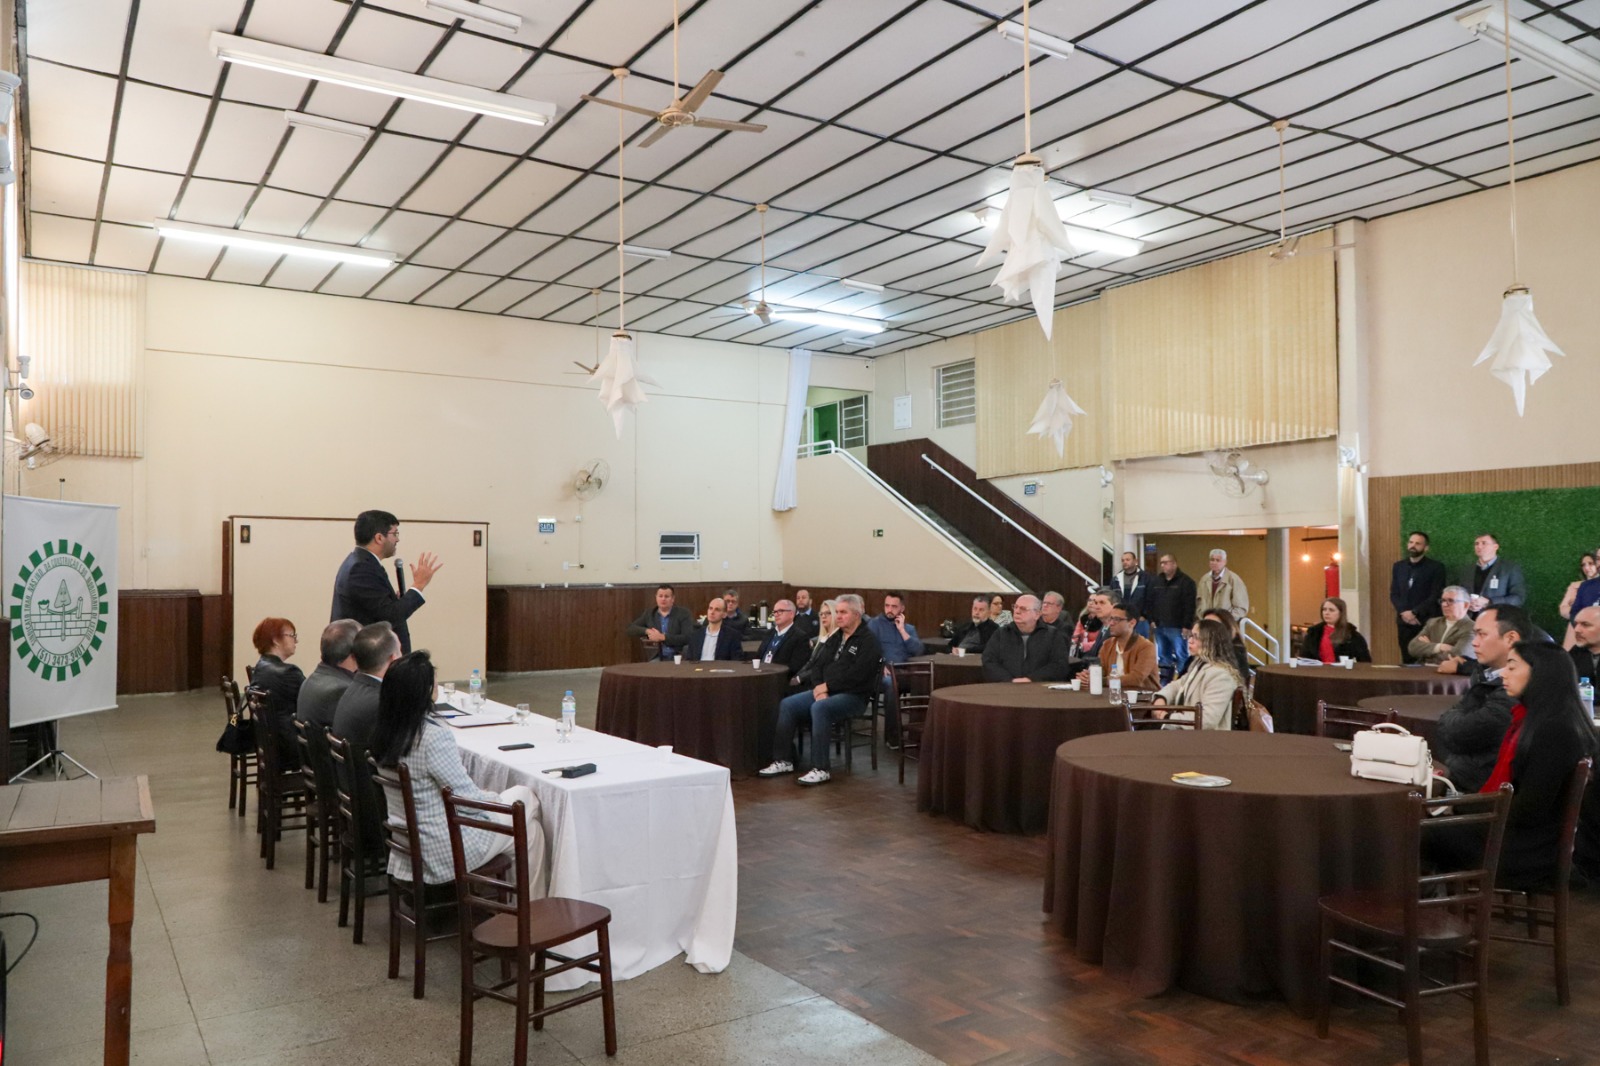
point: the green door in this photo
(825, 423)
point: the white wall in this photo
(1435, 278)
(833, 544)
(1071, 501)
(1179, 493)
(275, 403)
(912, 372)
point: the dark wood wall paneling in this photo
(902, 466)
(168, 640)
(1383, 509)
(559, 628)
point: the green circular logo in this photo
(59, 610)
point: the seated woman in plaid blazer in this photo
(407, 734)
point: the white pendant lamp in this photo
(1518, 352)
(1053, 420)
(1030, 234)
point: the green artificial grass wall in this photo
(1545, 530)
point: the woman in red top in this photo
(1334, 636)
(1550, 731)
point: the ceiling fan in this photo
(681, 112)
(1288, 247)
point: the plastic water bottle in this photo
(475, 688)
(1116, 680)
(569, 715)
(1586, 694)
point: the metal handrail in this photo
(1087, 580)
(827, 447)
(1270, 650)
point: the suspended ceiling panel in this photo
(888, 124)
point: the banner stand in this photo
(55, 756)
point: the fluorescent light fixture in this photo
(1039, 42)
(825, 318)
(645, 253)
(1098, 240)
(331, 125)
(856, 342)
(987, 217)
(1096, 196)
(860, 286)
(492, 16)
(1536, 46)
(267, 242)
(296, 62)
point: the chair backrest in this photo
(913, 686)
(230, 695)
(401, 838)
(355, 792)
(1577, 786)
(302, 741)
(1474, 886)
(497, 896)
(319, 756)
(1342, 723)
(266, 736)
(249, 674)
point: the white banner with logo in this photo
(60, 562)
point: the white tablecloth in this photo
(649, 835)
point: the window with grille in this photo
(853, 422)
(957, 388)
(680, 547)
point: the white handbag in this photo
(1390, 752)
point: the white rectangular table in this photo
(648, 835)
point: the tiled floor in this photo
(235, 964)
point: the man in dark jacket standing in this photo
(1415, 585)
(1171, 601)
(852, 661)
(361, 589)
(1467, 738)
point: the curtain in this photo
(785, 496)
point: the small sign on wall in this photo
(902, 412)
(547, 525)
(1030, 488)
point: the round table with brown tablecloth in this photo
(722, 712)
(1291, 693)
(988, 751)
(951, 670)
(1420, 714)
(1212, 890)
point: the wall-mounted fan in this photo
(39, 447)
(591, 478)
(1232, 474)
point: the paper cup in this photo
(1293, 664)
(755, 664)
(677, 660)
(666, 751)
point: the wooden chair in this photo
(316, 761)
(1516, 902)
(912, 687)
(412, 902)
(1348, 721)
(282, 799)
(500, 919)
(241, 768)
(1135, 724)
(361, 856)
(1416, 917)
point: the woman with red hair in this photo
(276, 640)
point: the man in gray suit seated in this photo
(376, 646)
(319, 696)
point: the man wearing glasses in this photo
(362, 591)
(1415, 585)
(1447, 637)
(789, 645)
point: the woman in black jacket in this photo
(1334, 637)
(1550, 731)
(276, 640)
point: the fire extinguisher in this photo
(1330, 579)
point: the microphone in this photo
(400, 574)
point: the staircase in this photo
(966, 542)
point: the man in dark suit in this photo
(805, 616)
(362, 591)
(319, 696)
(356, 716)
(789, 645)
(974, 633)
(669, 625)
(716, 639)
(732, 617)
(1494, 581)
(1415, 587)
(1026, 650)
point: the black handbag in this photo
(239, 735)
